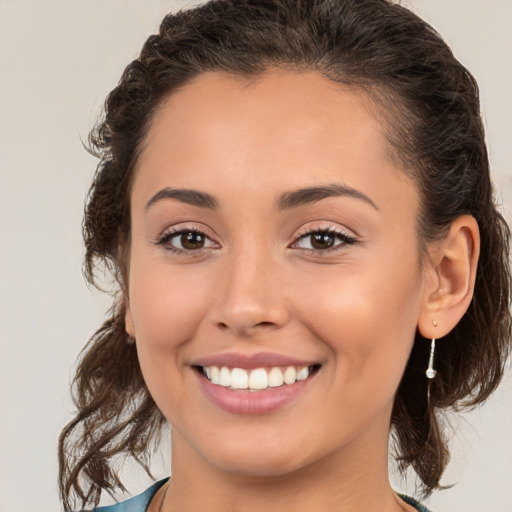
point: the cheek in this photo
(160, 310)
(366, 314)
(167, 305)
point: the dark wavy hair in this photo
(429, 104)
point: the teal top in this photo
(141, 502)
(414, 503)
(138, 503)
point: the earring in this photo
(431, 373)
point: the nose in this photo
(251, 296)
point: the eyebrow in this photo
(286, 201)
(313, 194)
(192, 197)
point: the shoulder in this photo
(138, 503)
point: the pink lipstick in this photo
(253, 384)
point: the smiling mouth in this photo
(256, 379)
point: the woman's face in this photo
(272, 239)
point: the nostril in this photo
(224, 326)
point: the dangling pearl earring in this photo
(431, 373)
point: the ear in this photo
(128, 321)
(450, 278)
(123, 256)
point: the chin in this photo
(254, 459)
(259, 467)
(258, 459)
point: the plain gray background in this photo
(58, 61)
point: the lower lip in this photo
(246, 402)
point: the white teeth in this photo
(225, 377)
(275, 378)
(290, 375)
(303, 373)
(239, 379)
(214, 374)
(257, 379)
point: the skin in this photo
(257, 286)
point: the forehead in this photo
(275, 131)
(264, 107)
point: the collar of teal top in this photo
(414, 503)
(141, 502)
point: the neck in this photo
(341, 481)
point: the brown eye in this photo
(322, 240)
(186, 241)
(192, 240)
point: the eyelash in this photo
(343, 240)
(165, 239)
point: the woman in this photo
(294, 198)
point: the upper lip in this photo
(251, 361)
